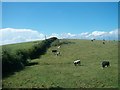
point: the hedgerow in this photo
(16, 61)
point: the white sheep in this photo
(57, 53)
(58, 46)
(77, 62)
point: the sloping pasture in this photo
(59, 71)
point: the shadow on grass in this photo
(82, 65)
(7, 74)
(69, 63)
(56, 88)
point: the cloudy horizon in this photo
(12, 35)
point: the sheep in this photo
(103, 42)
(105, 63)
(54, 51)
(58, 46)
(76, 62)
(57, 53)
(93, 40)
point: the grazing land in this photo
(60, 71)
(14, 47)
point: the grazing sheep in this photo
(57, 53)
(54, 51)
(77, 62)
(92, 40)
(105, 63)
(103, 42)
(58, 46)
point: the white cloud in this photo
(68, 35)
(114, 32)
(95, 34)
(98, 33)
(86, 33)
(11, 35)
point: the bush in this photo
(55, 43)
(40, 48)
(24, 56)
(10, 61)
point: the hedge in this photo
(16, 61)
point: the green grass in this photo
(15, 47)
(53, 71)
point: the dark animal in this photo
(103, 42)
(92, 40)
(77, 62)
(54, 51)
(105, 63)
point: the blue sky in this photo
(61, 17)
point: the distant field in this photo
(54, 71)
(14, 47)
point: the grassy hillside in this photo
(59, 71)
(15, 47)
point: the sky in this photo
(28, 21)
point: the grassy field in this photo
(59, 71)
(25, 45)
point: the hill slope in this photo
(25, 45)
(59, 71)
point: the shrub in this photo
(55, 43)
(40, 48)
(10, 61)
(23, 55)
